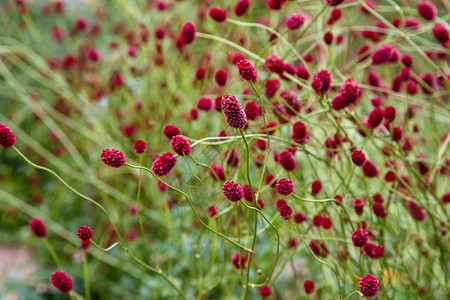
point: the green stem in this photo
(245, 291)
(52, 253)
(192, 207)
(353, 293)
(315, 257)
(87, 290)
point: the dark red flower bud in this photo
(218, 14)
(139, 146)
(295, 21)
(300, 217)
(309, 286)
(316, 187)
(285, 211)
(241, 7)
(369, 169)
(239, 261)
(61, 281)
(265, 291)
(164, 163)
(113, 157)
(274, 63)
(321, 82)
(299, 132)
(360, 237)
(286, 160)
(375, 117)
(328, 38)
(284, 186)
(7, 137)
(333, 3)
(358, 158)
(358, 205)
(368, 285)
(234, 114)
(385, 54)
(232, 191)
(180, 145)
(188, 32)
(38, 227)
(246, 70)
(441, 33)
(84, 233)
(221, 77)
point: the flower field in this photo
(245, 149)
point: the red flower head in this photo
(360, 237)
(295, 21)
(234, 114)
(358, 158)
(271, 87)
(285, 211)
(302, 72)
(139, 146)
(417, 212)
(212, 211)
(358, 205)
(38, 227)
(204, 103)
(319, 248)
(369, 169)
(284, 186)
(300, 217)
(218, 14)
(389, 114)
(326, 223)
(317, 220)
(328, 38)
(265, 291)
(379, 210)
(246, 70)
(275, 4)
(286, 160)
(232, 191)
(238, 261)
(321, 82)
(299, 132)
(241, 7)
(389, 176)
(180, 145)
(171, 130)
(218, 172)
(221, 77)
(309, 286)
(376, 117)
(188, 32)
(7, 137)
(293, 105)
(368, 285)
(113, 157)
(350, 91)
(248, 193)
(274, 63)
(385, 54)
(335, 15)
(84, 233)
(252, 110)
(316, 187)
(397, 134)
(333, 3)
(441, 33)
(61, 281)
(164, 163)
(426, 9)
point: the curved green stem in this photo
(192, 207)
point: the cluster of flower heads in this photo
(286, 106)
